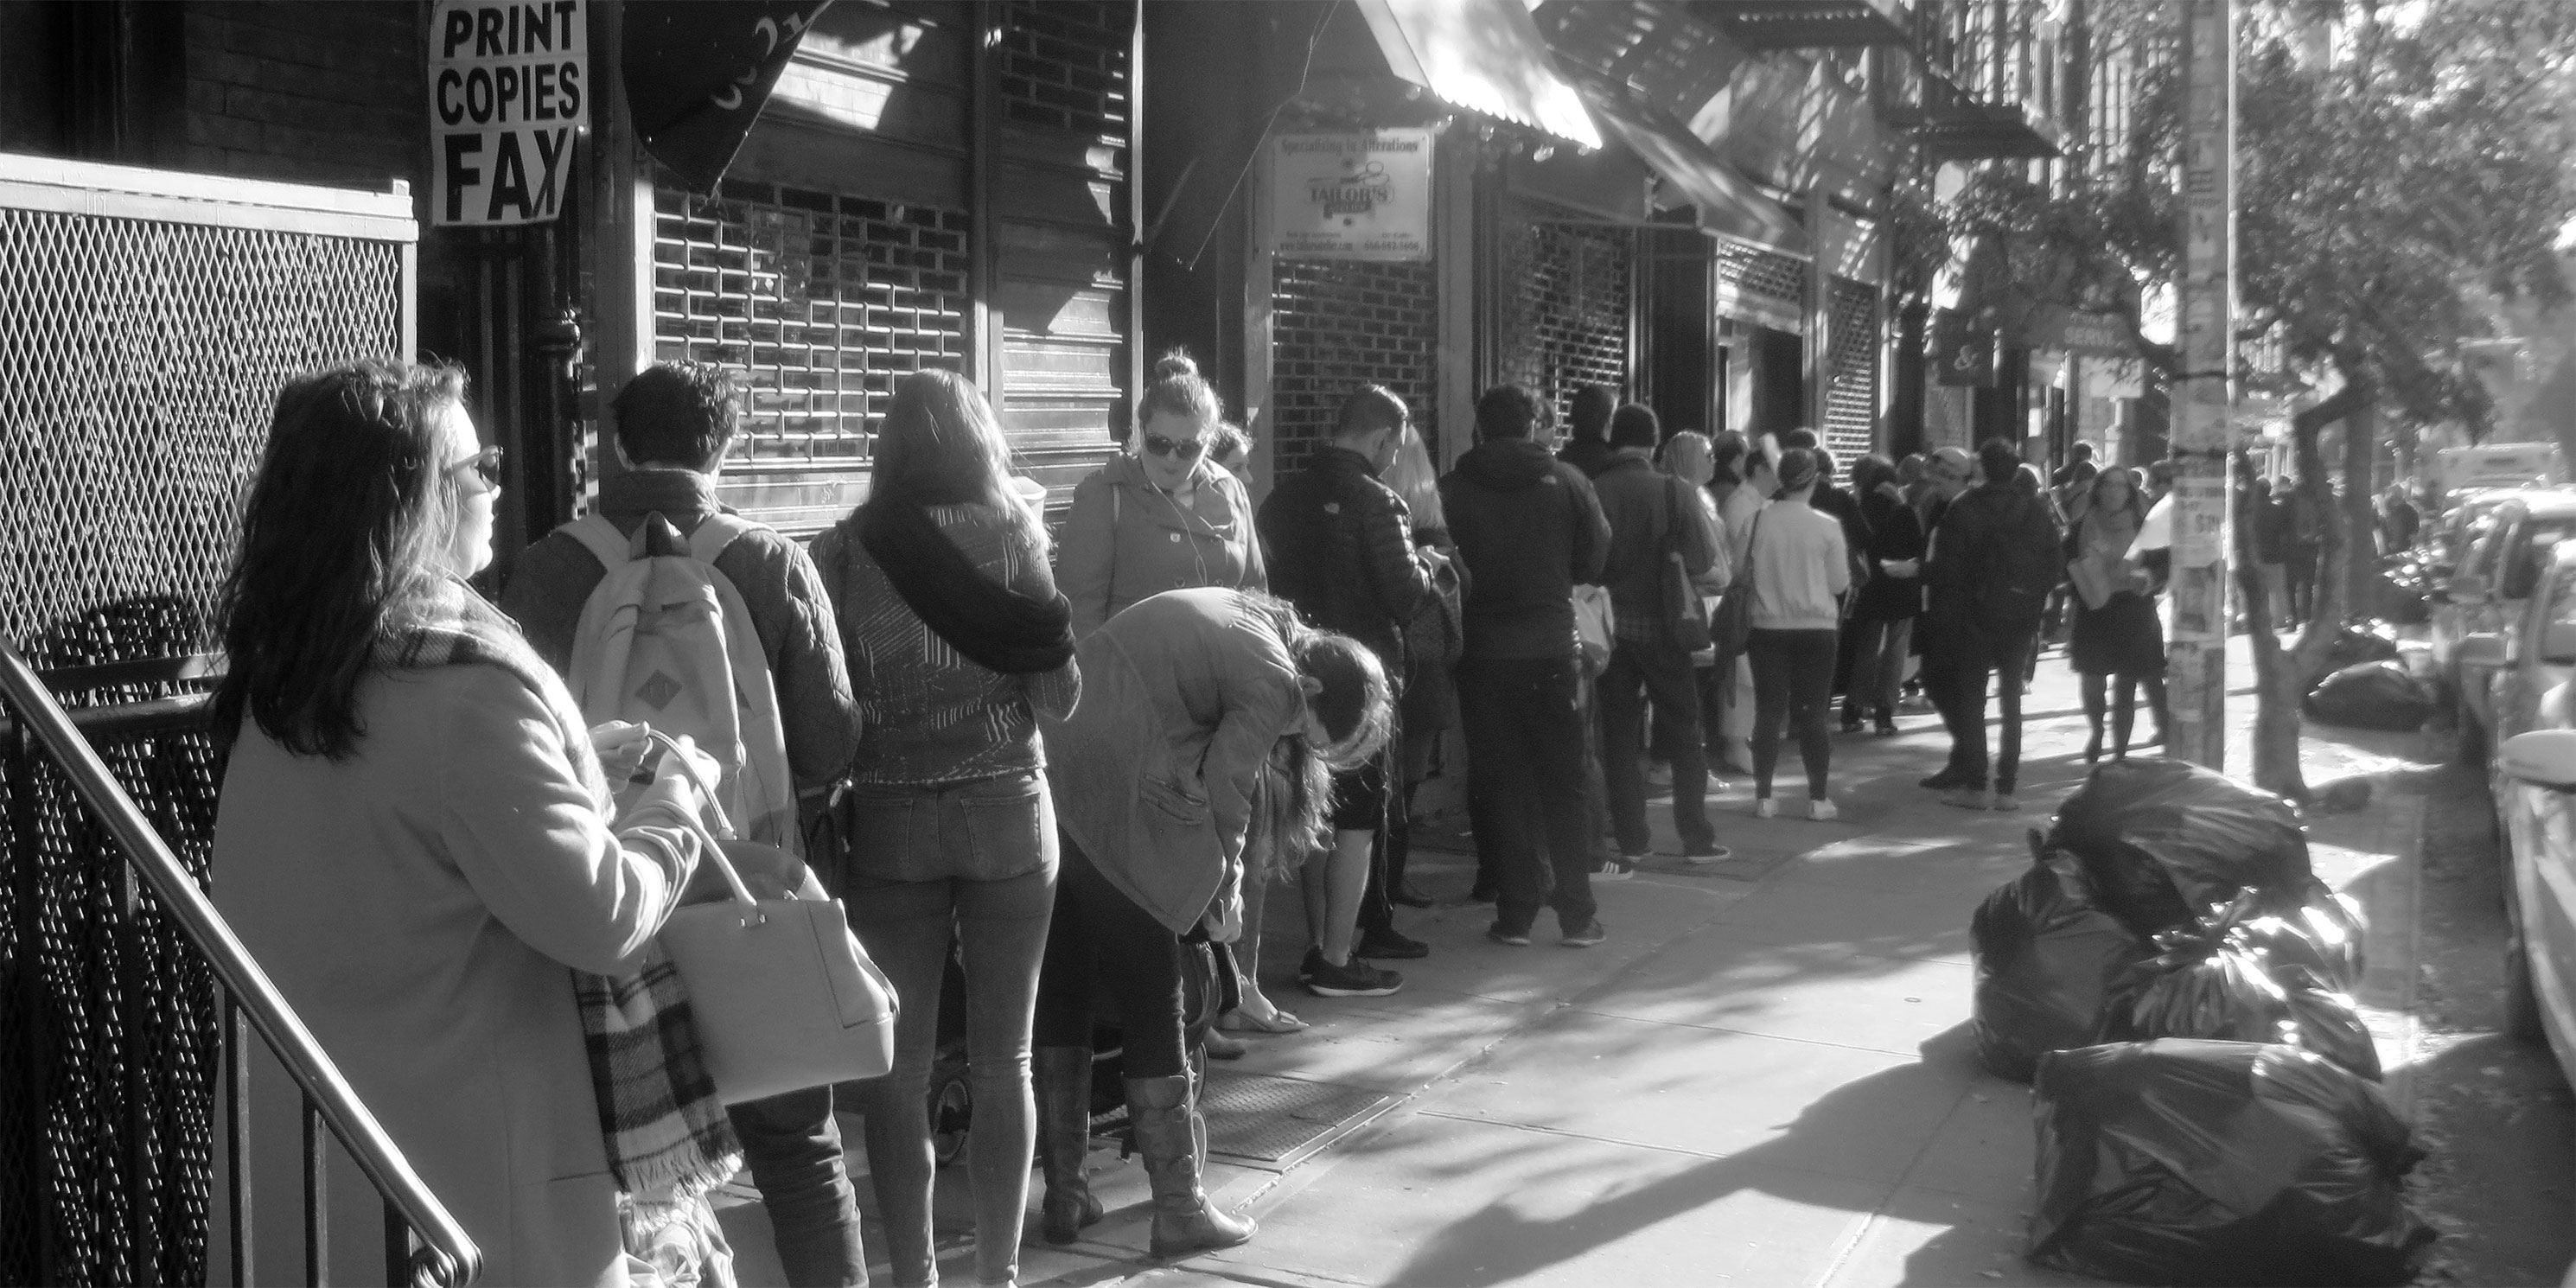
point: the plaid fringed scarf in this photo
(668, 1138)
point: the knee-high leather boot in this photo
(1168, 1133)
(1063, 1078)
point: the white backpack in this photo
(665, 640)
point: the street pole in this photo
(2203, 430)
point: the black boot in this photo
(1169, 1133)
(1063, 1083)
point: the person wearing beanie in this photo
(1799, 567)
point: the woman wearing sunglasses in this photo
(1160, 516)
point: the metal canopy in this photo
(1482, 55)
(1728, 204)
(1965, 130)
(1807, 24)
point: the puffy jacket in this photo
(1996, 555)
(1528, 527)
(1340, 548)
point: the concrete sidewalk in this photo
(1762, 1077)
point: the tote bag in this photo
(1685, 615)
(1730, 627)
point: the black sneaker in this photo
(1945, 780)
(1384, 942)
(1314, 961)
(1586, 935)
(1516, 938)
(1358, 979)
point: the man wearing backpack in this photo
(675, 421)
(1995, 557)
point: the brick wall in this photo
(306, 91)
(1340, 324)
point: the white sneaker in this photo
(1618, 869)
(1764, 808)
(1822, 810)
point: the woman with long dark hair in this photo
(1209, 726)
(1883, 613)
(415, 839)
(2116, 632)
(958, 643)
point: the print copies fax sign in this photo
(1351, 196)
(509, 89)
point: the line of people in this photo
(1074, 765)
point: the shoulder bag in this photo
(782, 995)
(1685, 616)
(1730, 627)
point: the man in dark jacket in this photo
(1340, 548)
(1528, 528)
(1643, 506)
(1588, 449)
(674, 422)
(1995, 559)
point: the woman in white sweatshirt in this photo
(1796, 559)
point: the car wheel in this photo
(952, 1110)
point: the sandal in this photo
(1241, 1021)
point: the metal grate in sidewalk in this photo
(1279, 1122)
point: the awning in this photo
(1482, 55)
(1728, 203)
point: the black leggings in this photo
(2096, 700)
(1101, 938)
(1793, 684)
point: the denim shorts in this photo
(986, 829)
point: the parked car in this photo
(2533, 779)
(2488, 597)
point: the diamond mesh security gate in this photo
(146, 323)
(1851, 390)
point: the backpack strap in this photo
(600, 537)
(716, 532)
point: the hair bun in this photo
(1175, 365)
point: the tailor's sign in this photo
(509, 90)
(1351, 196)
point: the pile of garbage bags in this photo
(2175, 982)
(2191, 1161)
(2372, 695)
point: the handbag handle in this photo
(712, 848)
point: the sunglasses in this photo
(486, 465)
(1186, 449)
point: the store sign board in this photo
(509, 90)
(2115, 377)
(1351, 196)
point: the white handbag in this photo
(782, 995)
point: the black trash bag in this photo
(2327, 1022)
(2046, 956)
(2354, 645)
(2214, 983)
(2191, 1162)
(2164, 841)
(2371, 695)
(2320, 930)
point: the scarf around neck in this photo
(668, 1138)
(989, 623)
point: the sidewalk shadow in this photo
(1498, 1244)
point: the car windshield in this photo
(2558, 647)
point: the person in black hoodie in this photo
(1340, 548)
(1994, 559)
(1588, 449)
(1528, 528)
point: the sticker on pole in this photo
(509, 90)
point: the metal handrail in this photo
(446, 1256)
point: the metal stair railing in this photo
(424, 1245)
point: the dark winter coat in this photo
(1894, 533)
(1341, 549)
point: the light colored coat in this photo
(1126, 540)
(1182, 697)
(421, 905)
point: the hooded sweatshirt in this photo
(1528, 527)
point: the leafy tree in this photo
(2400, 167)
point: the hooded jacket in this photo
(1528, 527)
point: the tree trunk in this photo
(2283, 676)
(2360, 521)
